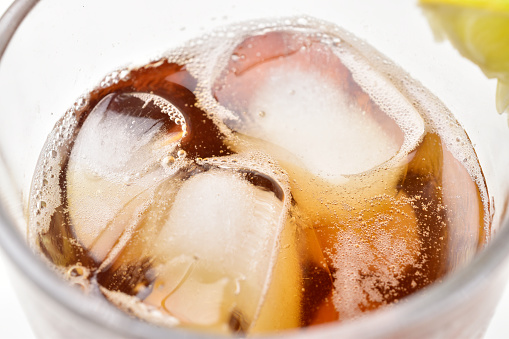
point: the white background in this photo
(13, 324)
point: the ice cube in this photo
(373, 253)
(115, 164)
(225, 207)
(293, 91)
(216, 240)
(230, 227)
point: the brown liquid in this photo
(346, 246)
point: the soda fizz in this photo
(268, 175)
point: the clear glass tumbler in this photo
(53, 51)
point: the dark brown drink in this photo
(268, 176)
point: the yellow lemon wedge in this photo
(479, 30)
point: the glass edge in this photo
(11, 19)
(422, 306)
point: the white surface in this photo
(499, 327)
(13, 324)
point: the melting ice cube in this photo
(229, 229)
(212, 247)
(115, 164)
(293, 91)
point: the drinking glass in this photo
(61, 49)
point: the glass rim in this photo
(413, 310)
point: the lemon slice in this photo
(479, 29)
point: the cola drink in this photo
(268, 175)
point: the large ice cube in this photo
(213, 246)
(229, 228)
(293, 91)
(117, 160)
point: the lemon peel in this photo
(492, 5)
(479, 30)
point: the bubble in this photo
(302, 21)
(76, 271)
(168, 160)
